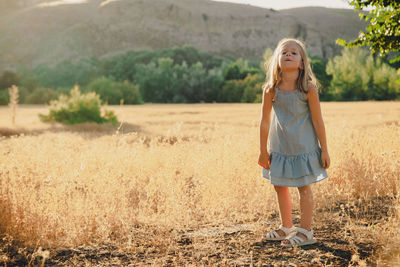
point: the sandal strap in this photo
(287, 230)
(296, 239)
(308, 234)
(272, 234)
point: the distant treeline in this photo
(185, 75)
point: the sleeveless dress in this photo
(293, 145)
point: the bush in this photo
(8, 79)
(41, 96)
(4, 97)
(78, 108)
(104, 87)
(130, 92)
(113, 92)
(238, 70)
(165, 82)
(248, 90)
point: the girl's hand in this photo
(326, 161)
(264, 160)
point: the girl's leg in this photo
(306, 209)
(285, 207)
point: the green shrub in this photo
(252, 89)
(113, 92)
(41, 95)
(78, 108)
(248, 90)
(165, 82)
(104, 87)
(4, 97)
(130, 92)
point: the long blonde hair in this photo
(274, 73)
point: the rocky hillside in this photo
(50, 32)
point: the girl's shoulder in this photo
(312, 90)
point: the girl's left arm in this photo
(319, 126)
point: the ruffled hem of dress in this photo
(294, 166)
(296, 182)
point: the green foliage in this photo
(318, 65)
(78, 108)
(113, 92)
(104, 87)
(130, 92)
(41, 95)
(123, 67)
(383, 32)
(248, 90)
(4, 97)
(23, 94)
(67, 74)
(356, 75)
(238, 70)
(167, 82)
(8, 79)
(185, 75)
(252, 88)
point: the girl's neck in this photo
(289, 80)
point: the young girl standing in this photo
(290, 153)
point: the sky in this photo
(283, 4)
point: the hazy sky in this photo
(283, 4)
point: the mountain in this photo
(51, 31)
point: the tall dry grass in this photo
(184, 166)
(14, 96)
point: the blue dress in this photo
(293, 145)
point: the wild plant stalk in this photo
(13, 92)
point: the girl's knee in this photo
(305, 190)
(279, 188)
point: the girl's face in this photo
(289, 57)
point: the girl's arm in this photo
(316, 116)
(265, 120)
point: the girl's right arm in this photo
(265, 122)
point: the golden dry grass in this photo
(181, 167)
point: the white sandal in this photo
(275, 236)
(296, 240)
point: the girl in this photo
(293, 157)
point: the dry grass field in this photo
(180, 185)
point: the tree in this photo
(383, 32)
(357, 75)
(8, 79)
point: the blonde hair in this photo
(274, 73)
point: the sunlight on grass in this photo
(181, 166)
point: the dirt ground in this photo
(237, 245)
